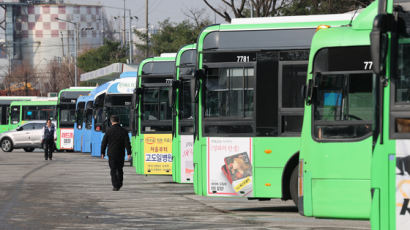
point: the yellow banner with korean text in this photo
(158, 154)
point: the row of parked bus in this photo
(315, 109)
(16, 112)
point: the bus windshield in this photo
(89, 115)
(67, 115)
(229, 92)
(80, 114)
(401, 88)
(155, 104)
(343, 101)
(123, 112)
(156, 110)
(119, 105)
(229, 95)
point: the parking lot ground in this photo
(74, 192)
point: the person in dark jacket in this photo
(48, 140)
(116, 137)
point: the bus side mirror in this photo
(310, 92)
(379, 42)
(175, 84)
(139, 91)
(192, 90)
(303, 89)
(199, 74)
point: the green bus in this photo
(183, 118)
(5, 102)
(249, 109)
(336, 146)
(36, 109)
(390, 48)
(152, 127)
(66, 102)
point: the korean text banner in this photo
(158, 153)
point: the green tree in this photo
(171, 36)
(110, 52)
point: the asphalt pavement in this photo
(74, 192)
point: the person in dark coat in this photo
(48, 140)
(116, 137)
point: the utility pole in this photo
(146, 28)
(62, 43)
(130, 39)
(76, 38)
(75, 54)
(123, 28)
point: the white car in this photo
(28, 137)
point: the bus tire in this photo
(294, 185)
(6, 145)
(28, 149)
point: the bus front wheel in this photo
(294, 185)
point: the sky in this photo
(159, 10)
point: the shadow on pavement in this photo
(268, 209)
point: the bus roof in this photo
(165, 55)
(356, 35)
(158, 66)
(99, 90)
(129, 74)
(84, 98)
(293, 19)
(181, 51)
(34, 102)
(122, 86)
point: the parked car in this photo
(28, 137)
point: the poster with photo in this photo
(187, 158)
(402, 184)
(229, 167)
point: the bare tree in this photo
(241, 8)
(60, 75)
(22, 77)
(197, 16)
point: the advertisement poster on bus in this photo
(67, 138)
(158, 153)
(229, 167)
(187, 158)
(402, 184)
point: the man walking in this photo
(117, 139)
(48, 140)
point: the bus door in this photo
(228, 122)
(292, 78)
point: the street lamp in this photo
(76, 47)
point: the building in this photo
(39, 31)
